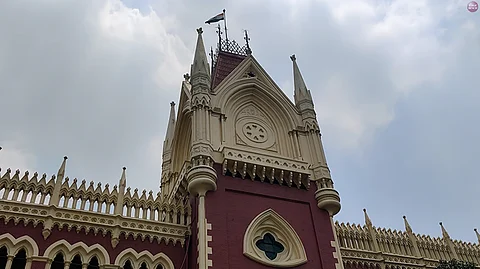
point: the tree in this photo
(454, 264)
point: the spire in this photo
(444, 232)
(412, 238)
(407, 225)
(200, 63)
(300, 92)
(61, 170)
(449, 242)
(121, 194)
(170, 128)
(123, 178)
(478, 235)
(55, 198)
(368, 222)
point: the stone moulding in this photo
(49, 216)
(271, 222)
(266, 167)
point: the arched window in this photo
(3, 257)
(159, 266)
(143, 266)
(58, 262)
(76, 262)
(127, 265)
(93, 264)
(20, 260)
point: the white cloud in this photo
(15, 156)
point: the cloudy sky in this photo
(395, 85)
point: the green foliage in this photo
(454, 264)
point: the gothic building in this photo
(245, 184)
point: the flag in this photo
(219, 17)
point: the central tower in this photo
(251, 163)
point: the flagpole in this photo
(225, 22)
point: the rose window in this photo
(255, 132)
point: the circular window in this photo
(255, 132)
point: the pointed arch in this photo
(58, 261)
(79, 248)
(76, 262)
(13, 244)
(137, 259)
(93, 263)
(272, 101)
(271, 240)
(20, 259)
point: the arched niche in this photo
(279, 113)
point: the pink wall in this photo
(236, 202)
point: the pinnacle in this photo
(301, 92)
(200, 63)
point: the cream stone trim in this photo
(270, 221)
(86, 252)
(209, 239)
(336, 254)
(13, 244)
(143, 257)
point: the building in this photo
(245, 184)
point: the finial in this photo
(407, 225)
(124, 168)
(219, 32)
(65, 157)
(186, 77)
(248, 50)
(440, 223)
(172, 103)
(368, 221)
(200, 31)
(293, 58)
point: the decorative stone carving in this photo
(253, 129)
(272, 241)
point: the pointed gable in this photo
(249, 71)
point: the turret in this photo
(327, 197)
(201, 177)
